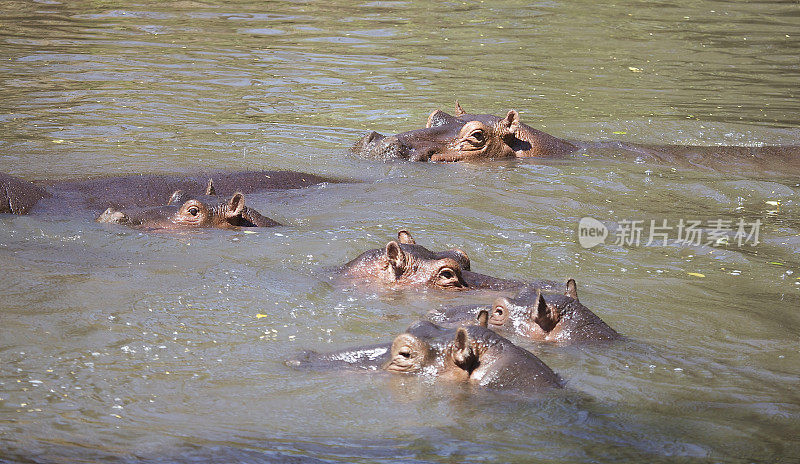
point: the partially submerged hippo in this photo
(484, 136)
(540, 317)
(403, 263)
(139, 200)
(471, 354)
(464, 137)
(187, 212)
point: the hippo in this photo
(154, 201)
(469, 354)
(474, 354)
(402, 263)
(465, 137)
(192, 213)
(554, 318)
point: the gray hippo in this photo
(470, 354)
(153, 201)
(466, 137)
(554, 318)
(402, 263)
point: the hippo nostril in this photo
(367, 144)
(372, 137)
(112, 216)
(422, 154)
(389, 148)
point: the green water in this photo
(117, 345)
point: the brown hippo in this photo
(139, 200)
(189, 214)
(464, 137)
(471, 354)
(484, 136)
(403, 263)
(552, 318)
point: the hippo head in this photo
(403, 263)
(426, 348)
(184, 212)
(430, 349)
(464, 137)
(530, 314)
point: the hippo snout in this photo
(377, 146)
(366, 144)
(112, 216)
(411, 146)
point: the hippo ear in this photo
(404, 236)
(538, 310)
(235, 206)
(463, 258)
(459, 110)
(545, 317)
(510, 124)
(462, 349)
(439, 118)
(483, 318)
(572, 290)
(176, 197)
(210, 187)
(396, 256)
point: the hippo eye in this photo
(405, 353)
(478, 136)
(194, 210)
(447, 274)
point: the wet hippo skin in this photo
(154, 201)
(402, 263)
(464, 137)
(471, 354)
(537, 316)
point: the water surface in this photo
(117, 345)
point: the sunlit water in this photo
(117, 345)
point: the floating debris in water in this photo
(696, 274)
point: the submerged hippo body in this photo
(372, 357)
(150, 201)
(465, 137)
(404, 264)
(539, 317)
(473, 354)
